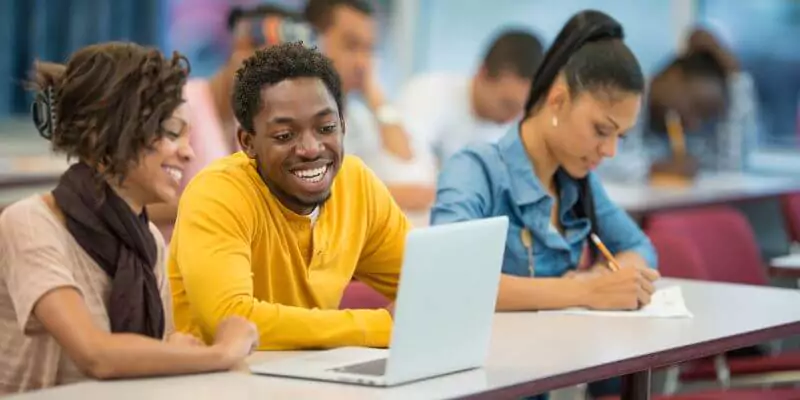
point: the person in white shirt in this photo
(444, 112)
(347, 33)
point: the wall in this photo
(775, 68)
(451, 35)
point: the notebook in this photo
(665, 303)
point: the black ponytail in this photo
(584, 27)
(590, 53)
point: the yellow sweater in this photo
(236, 250)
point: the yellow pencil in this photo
(676, 135)
(612, 262)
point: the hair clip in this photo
(43, 112)
(53, 101)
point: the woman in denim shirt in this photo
(586, 94)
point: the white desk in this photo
(716, 188)
(530, 353)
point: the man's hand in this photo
(396, 142)
(394, 139)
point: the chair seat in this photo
(733, 394)
(358, 295)
(704, 369)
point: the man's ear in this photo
(344, 126)
(246, 142)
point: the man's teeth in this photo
(311, 175)
(176, 174)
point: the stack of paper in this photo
(665, 303)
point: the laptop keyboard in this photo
(372, 368)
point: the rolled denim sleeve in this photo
(463, 192)
(617, 229)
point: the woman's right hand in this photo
(625, 289)
(237, 337)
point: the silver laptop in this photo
(443, 313)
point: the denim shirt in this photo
(486, 180)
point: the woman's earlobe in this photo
(557, 96)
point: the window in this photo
(763, 34)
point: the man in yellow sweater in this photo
(276, 232)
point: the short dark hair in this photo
(107, 104)
(589, 51)
(237, 14)
(701, 64)
(319, 13)
(591, 54)
(514, 50)
(273, 65)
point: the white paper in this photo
(790, 261)
(665, 303)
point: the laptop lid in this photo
(446, 298)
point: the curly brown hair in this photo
(109, 101)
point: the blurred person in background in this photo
(347, 33)
(715, 103)
(445, 112)
(738, 130)
(212, 123)
(83, 290)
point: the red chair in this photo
(733, 394)
(791, 211)
(724, 239)
(727, 249)
(358, 295)
(678, 257)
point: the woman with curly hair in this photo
(82, 285)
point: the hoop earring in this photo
(555, 121)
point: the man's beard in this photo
(283, 196)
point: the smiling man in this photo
(276, 232)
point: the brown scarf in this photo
(121, 243)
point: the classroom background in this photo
(422, 36)
(417, 37)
